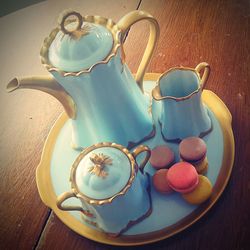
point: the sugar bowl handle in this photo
(66, 195)
(140, 149)
(125, 23)
(203, 66)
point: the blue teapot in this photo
(91, 80)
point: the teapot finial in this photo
(77, 30)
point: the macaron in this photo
(201, 193)
(160, 183)
(182, 177)
(202, 166)
(192, 149)
(161, 157)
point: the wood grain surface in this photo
(192, 31)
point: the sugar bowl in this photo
(107, 179)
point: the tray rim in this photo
(46, 192)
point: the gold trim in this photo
(48, 196)
(79, 31)
(156, 93)
(108, 23)
(125, 24)
(66, 195)
(100, 161)
(90, 200)
(140, 149)
(118, 32)
(206, 67)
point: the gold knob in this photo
(63, 21)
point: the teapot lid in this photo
(79, 43)
(103, 172)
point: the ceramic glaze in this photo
(71, 54)
(117, 172)
(171, 213)
(91, 80)
(106, 96)
(107, 180)
(110, 105)
(179, 91)
(114, 217)
(179, 83)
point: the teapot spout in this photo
(48, 85)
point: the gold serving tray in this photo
(48, 196)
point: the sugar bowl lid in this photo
(79, 42)
(102, 172)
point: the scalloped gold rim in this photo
(47, 194)
(131, 222)
(156, 93)
(107, 22)
(82, 196)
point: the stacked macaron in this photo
(182, 177)
(201, 193)
(185, 177)
(193, 150)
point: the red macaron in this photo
(182, 177)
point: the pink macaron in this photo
(160, 183)
(192, 149)
(161, 157)
(182, 177)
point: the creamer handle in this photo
(66, 195)
(140, 149)
(125, 23)
(205, 75)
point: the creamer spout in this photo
(46, 84)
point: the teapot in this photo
(91, 80)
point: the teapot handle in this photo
(140, 149)
(66, 195)
(125, 23)
(205, 75)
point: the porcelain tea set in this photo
(111, 116)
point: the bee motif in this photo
(100, 161)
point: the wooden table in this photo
(191, 31)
